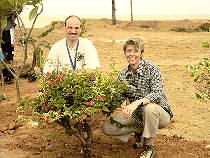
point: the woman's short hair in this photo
(138, 43)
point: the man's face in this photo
(72, 28)
(133, 56)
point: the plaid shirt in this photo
(145, 82)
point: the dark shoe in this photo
(8, 77)
(137, 145)
(139, 141)
(149, 152)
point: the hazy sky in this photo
(141, 7)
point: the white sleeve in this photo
(91, 56)
(52, 60)
(12, 34)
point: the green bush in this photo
(73, 98)
(72, 94)
(83, 27)
(201, 74)
(205, 44)
(204, 27)
(182, 29)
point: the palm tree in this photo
(114, 21)
(131, 5)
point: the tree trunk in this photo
(114, 21)
(83, 132)
(87, 134)
(131, 4)
(16, 79)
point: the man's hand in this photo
(125, 103)
(129, 109)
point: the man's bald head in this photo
(70, 17)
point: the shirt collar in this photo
(139, 69)
(74, 47)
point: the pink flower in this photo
(45, 107)
(89, 103)
(47, 75)
(99, 98)
(50, 83)
(81, 111)
(59, 77)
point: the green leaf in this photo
(33, 13)
(205, 44)
(35, 2)
(105, 109)
(1, 41)
(11, 2)
(3, 22)
(6, 6)
(196, 78)
(198, 96)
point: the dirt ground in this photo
(186, 137)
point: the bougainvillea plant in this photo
(71, 98)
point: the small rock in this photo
(12, 126)
(208, 146)
(3, 129)
(36, 153)
(32, 124)
(49, 148)
(23, 137)
(11, 132)
(59, 155)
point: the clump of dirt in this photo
(54, 143)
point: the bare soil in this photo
(186, 137)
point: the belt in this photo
(168, 111)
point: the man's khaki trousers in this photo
(155, 117)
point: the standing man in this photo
(7, 47)
(8, 39)
(147, 110)
(72, 52)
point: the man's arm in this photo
(155, 85)
(12, 34)
(52, 61)
(156, 89)
(91, 57)
(131, 92)
(153, 97)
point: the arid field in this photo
(186, 137)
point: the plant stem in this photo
(2, 81)
(87, 134)
(83, 132)
(29, 35)
(16, 79)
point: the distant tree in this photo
(114, 20)
(131, 5)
